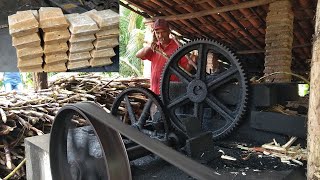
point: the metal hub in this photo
(197, 91)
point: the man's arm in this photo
(142, 53)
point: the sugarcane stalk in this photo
(15, 169)
(3, 115)
(7, 154)
(69, 99)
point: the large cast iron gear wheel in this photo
(133, 101)
(215, 91)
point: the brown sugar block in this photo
(55, 58)
(26, 41)
(80, 47)
(95, 62)
(22, 23)
(57, 62)
(108, 37)
(30, 52)
(79, 56)
(56, 36)
(58, 48)
(71, 15)
(34, 12)
(102, 53)
(35, 62)
(105, 43)
(82, 24)
(31, 69)
(108, 33)
(61, 67)
(105, 19)
(82, 38)
(52, 19)
(78, 64)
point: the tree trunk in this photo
(40, 80)
(314, 107)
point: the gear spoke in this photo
(220, 108)
(145, 113)
(202, 62)
(178, 102)
(143, 122)
(182, 75)
(132, 117)
(198, 110)
(223, 78)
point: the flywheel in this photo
(143, 110)
(214, 90)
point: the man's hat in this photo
(160, 24)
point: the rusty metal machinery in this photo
(83, 165)
(199, 105)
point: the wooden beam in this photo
(314, 106)
(216, 10)
(254, 51)
(143, 14)
(257, 51)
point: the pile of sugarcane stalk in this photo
(27, 114)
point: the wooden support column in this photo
(313, 171)
(279, 39)
(40, 80)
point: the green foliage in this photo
(132, 30)
(28, 81)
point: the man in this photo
(12, 81)
(159, 52)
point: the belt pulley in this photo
(70, 160)
(106, 127)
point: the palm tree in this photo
(132, 30)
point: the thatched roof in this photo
(239, 24)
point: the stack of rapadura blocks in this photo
(55, 36)
(106, 37)
(82, 30)
(24, 29)
(63, 42)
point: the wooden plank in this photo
(217, 10)
(314, 105)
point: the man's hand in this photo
(154, 46)
(154, 43)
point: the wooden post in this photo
(40, 80)
(314, 106)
